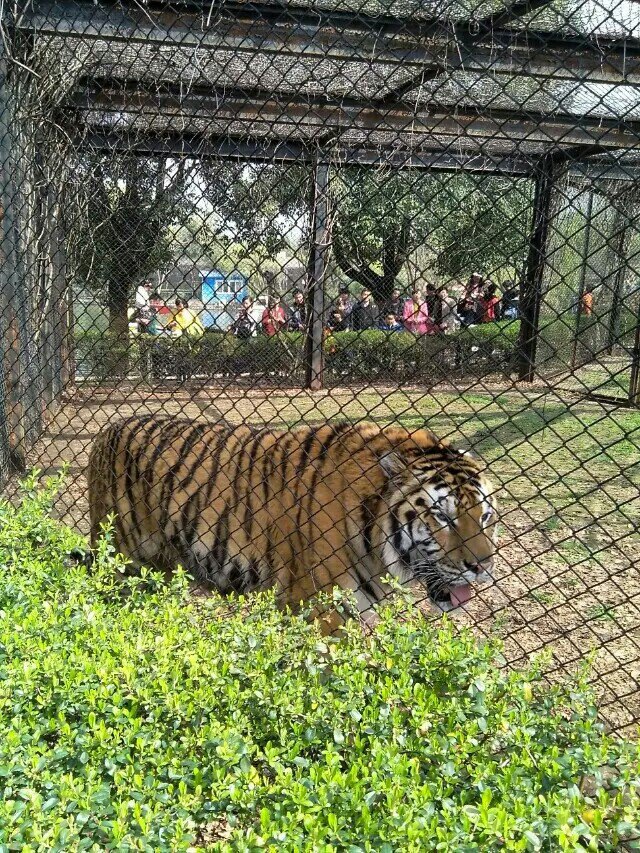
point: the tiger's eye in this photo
(412, 515)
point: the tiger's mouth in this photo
(448, 597)
(447, 585)
(449, 592)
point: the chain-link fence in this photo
(269, 216)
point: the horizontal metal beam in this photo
(193, 146)
(131, 103)
(605, 171)
(223, 31)
(509, 14)
(273, 14)
(523, 54)
(432, 46)
(226, 148)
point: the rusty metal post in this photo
(634, 381)
(531, 287)
(318, 256)
(619, 241)
(12, 421)
(59, 292)
(583, 276)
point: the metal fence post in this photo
(634, 380)
(531, 287)
(12, 413)
(619, 241)
(58, 301)
(583, 274)
(320, 245)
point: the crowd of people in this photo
(433, 310)
(425, 312)
(152, 316)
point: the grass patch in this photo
(541, 596)
(141, 721)
(602, 613)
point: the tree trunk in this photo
(394, 252)
(116, 355)
(118, 307)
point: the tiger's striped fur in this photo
(243, 508)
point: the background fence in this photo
(471, 167)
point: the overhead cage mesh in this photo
(270, 215)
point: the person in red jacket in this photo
(489, 303)
(273, 318)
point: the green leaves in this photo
(149, 722)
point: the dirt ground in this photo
(569, 469)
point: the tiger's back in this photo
(244, 508)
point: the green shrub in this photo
(103, 355)
(143, 722)
(360, 355)
(400, 355)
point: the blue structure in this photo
(218, 293)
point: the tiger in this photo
(303, 510)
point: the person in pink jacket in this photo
(416, 315)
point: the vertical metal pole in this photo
(531, 287)
(620, 242)
(634, 381)
(318, 256)
(12, 413)
(69, 354)
(42, 301)
(58, 302)
(583, 276)
(5, 444)
(16, 192)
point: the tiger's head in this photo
(441, 523)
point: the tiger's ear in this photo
(392, 463)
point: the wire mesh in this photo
(277, 215)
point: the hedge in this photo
(132, 718)
(361, 355)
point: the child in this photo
(390, 324)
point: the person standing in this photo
(186, 321)
(344, 305)
(365, 314)
(336, 322)
(489, 303)
(144, 313)
(449, 321)
(586, 303)
(273, 318)
(298, 313)
(510, 302)
(415, 314)
(434, 305)
(244, 326)
(394, 304)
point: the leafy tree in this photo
(382, 218)
(483, 223)
(265, 206)
(466, 221)
(120, 217)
